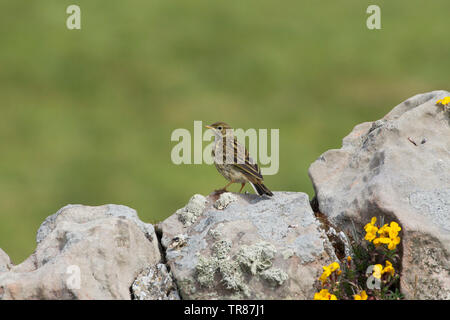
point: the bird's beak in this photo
(208, 127)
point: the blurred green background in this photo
(86, 115)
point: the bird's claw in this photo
(220, 191)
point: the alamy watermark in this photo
(373, 274)
(190, 149)
(374, 20)
(74, 19)
(73, 281)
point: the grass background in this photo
(86, 116)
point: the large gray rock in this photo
(397, 167)
(5, 262)
(84, 253)
(245, 246)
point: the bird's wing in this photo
(243, 162)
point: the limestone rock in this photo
(252, 248)
(84, 253)
(155, 283)
(397, 167)
(5, 262)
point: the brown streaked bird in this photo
(236, 165)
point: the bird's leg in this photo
(242, 187)
(224, 189)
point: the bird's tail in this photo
(261, 189)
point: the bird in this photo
(236, 165)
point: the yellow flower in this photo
(388, 235)
(370, 236)
(371, 223)
(326, 273)
(334, 266)
(393, 243)
(384, 230)
(389, 268)
(324, 295)
(381, 240)
(371, 230)
(394, 229)
(362, 296)
(444, 102)
(328, 270)
(349, 259)
(377, 271)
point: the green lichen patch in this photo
(189, 214)
(224, 200)
(205, 271)
(221, 248)
(257, 257)
(274, 276)
(186, 286)
(232, 276)
(215, 234)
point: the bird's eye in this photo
(220, 128)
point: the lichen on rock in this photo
(254, 259)
(189, 214)
(257, 257)
(205, 270)
(255, 248)
(221, 248)
(215, 234)
(155, 283)
(231, 275)
(219, 261)
(275, 276)
(224, 200)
